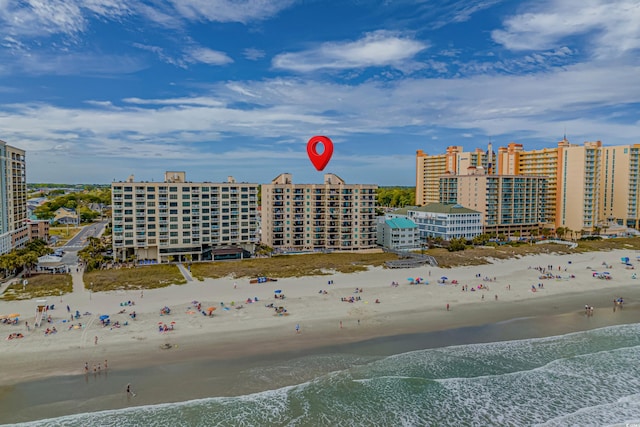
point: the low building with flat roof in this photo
(446, 221)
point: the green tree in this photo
(481, 239)
(457, 244)
(396, 197)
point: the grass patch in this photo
(143, 277)
(40, 286)
(63, 233)
(485, 255)
(292, 265)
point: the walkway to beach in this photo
(186, 273)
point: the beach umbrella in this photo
(410, 279)
(277, 291)
(104, 317)
(173, 323)
(211, 309)
(12, 315)
(444, 278)
(3, 316)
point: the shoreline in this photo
(254, 335)
(265, 341)
(193, 379)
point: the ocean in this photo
(584, 378)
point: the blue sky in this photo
(96, 90)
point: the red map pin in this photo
(320, 160)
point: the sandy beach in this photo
(317, 312)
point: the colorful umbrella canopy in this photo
(12, 315)
(211, 309)
(104, 317)
(277, 291)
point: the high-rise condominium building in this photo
(598, 186)
(509, 204)
(513, 160)
(309, 217)
(588, 185)
(177, 219)
(454, 161)
(13, 198)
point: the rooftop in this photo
(400, 223)
(436, 208)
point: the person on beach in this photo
(297, 328)
(95, 340)
(447, 306)
(341, 324)
(86, 367)
(129, 391)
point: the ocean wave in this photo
(581, 378)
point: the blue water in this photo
(589, 378)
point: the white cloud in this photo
(191, 55)
(46, 17)
(253, 54)
(207, 56)
(610, 26)
(380, 48)
(39, 63)
(184, 101)
(229, 10)
(290, 109)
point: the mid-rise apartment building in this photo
(508, 203)
(317, 217)
(13, 198)
(178, 219)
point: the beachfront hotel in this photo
(589, 186)
(318, 217)
(509, 204)
(454, 161)
(180, 220)
(14, 232)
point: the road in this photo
(79, 241)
